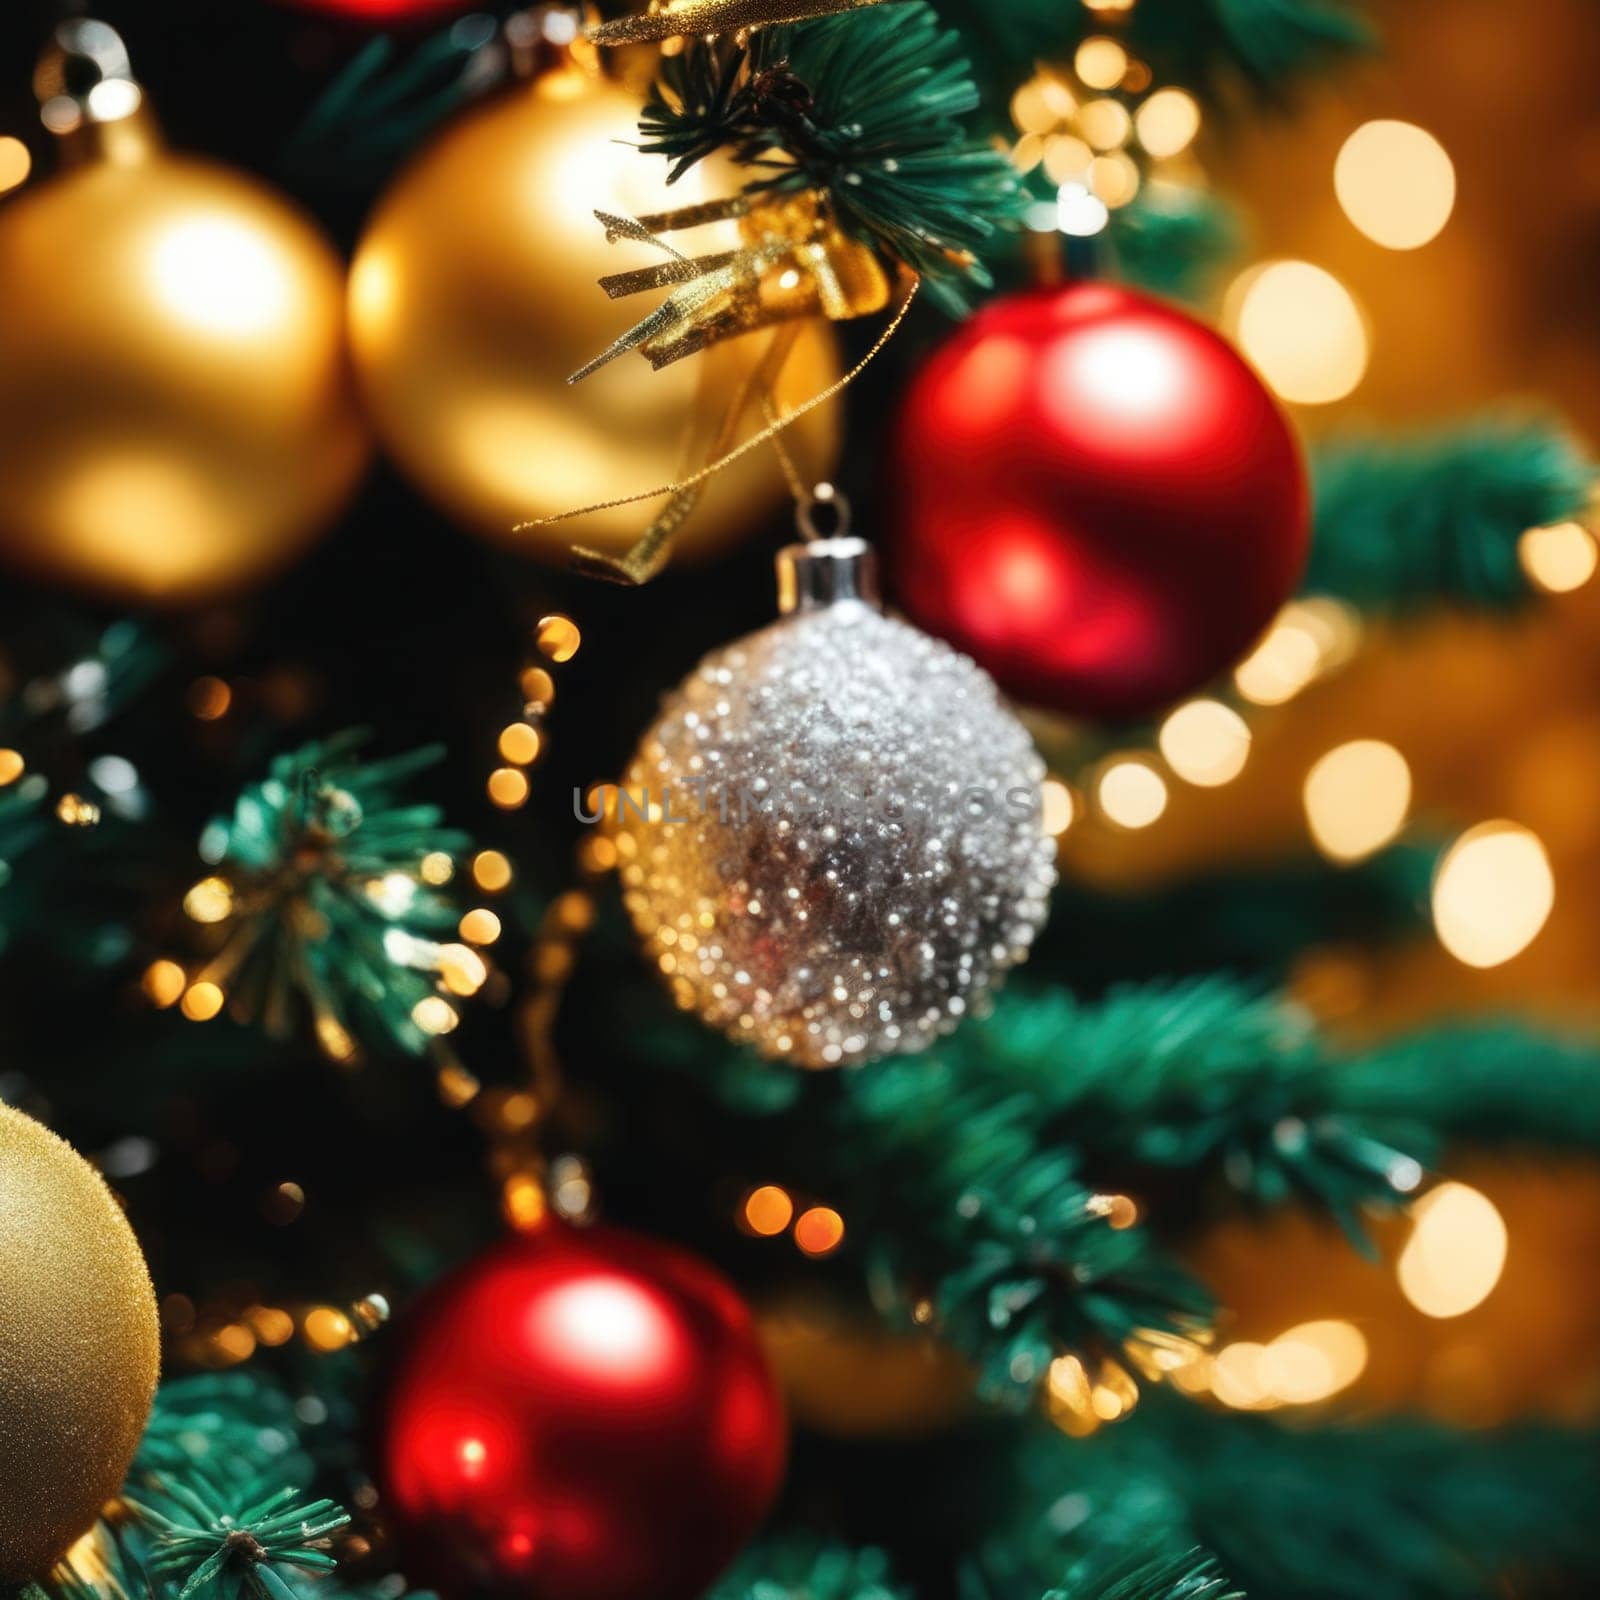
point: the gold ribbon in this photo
(796, 262)
(689, 17)
(648, 554)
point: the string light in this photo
(1205, 743)
(15, 163)
(163, 983)
(202, 1001)
(558, 637)
(491, 871)
(1559, 558)
(768, 1210)
(1396, 183)
(1456, 1252)
(1492, 894)
(1056, 807)
(1166, 123)
(1131, 793)
(819, 1231)
(1302, 330)
(1356, 798)
(209, 699)
(12, 766)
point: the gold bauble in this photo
(79, 1346)
(176, 419)
(473, 296)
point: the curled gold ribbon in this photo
(649, 561)
(676, 21)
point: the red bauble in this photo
(381, 12)
(580, 1415)
(1096, 498)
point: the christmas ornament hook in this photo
(827, 572)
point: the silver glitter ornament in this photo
(830, 839)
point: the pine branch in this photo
(1191, 1575)
(867, 107)
(1392, 1510)
(1495, 1083)
(1436, 520)
(378, 107)
(1173, 239)
(1258, 921)
(1206, 1073)
(331, 893)
(208, 1543)
(802, 1568)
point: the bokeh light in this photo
(1356, 798)
(1396, 183)
(1167, 122)
(1205, 743)
(1559, 558)
(1302, 329)
(1492, 893)
(15, 163)
(1131, 792)
(1456, 1252)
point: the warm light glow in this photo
(1302, 329)
(436, 868)
(481, 926)
(1056, 807)
(1280, 666)
(210, 900)
(327, 1329)
(220, 276)
(1559, 558)
(538, 687)
(1042, 103)
(1313, 1361)
(1239, 1378)
(508, 787)
(12, 766)
(1078, 212)
(435, 1015)
(1100, 62)
(15, 163)
(464, 971)
(1105, 124)
(1167, 122)
(163, 983)
(819, 1232)
(1456, 1252)
(1356, 798)
(1067, 159)
(1492, 894)
(202, 1002)
(519, 744)
(558, 637)
(768, 1210)
(491, 871)
(1205, 742)
(1131, 793)
(1396, 183)
(209, 698)
(1114, 178)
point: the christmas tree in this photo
(1051, 1054)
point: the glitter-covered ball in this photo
(830, 839)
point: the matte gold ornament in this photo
(79, 1346)
(474, 297)
(175, 416)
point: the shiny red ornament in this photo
(381, 12)
(1096, 498)
(579, 1414)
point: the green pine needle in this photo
(1187, 1575)
(802, 1568)
(211, 1544)
(1436, 519)
(332, 906)
(869, 108)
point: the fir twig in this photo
(800, 1568)
(1436, 520)
(867, 107)
(213, 1544)
(333, 893)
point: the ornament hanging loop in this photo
(827, 572)
(835, 509)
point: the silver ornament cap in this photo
(830, 840)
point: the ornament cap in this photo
(89, 98)
(827, 572)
